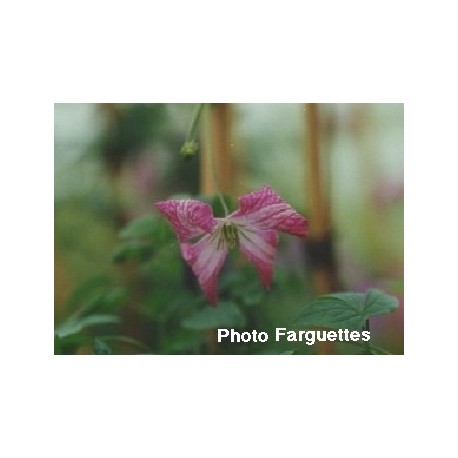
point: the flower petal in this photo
(189, 218)
(206, 260)
(264, 209)
(259, 247)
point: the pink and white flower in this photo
(205, 240)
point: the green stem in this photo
(191, 135)
(209, 151)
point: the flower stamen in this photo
(229, 235)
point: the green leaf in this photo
(346, 310)
(142, 237)
(103, 300)
(153, 228)
(377, 302)
(225, 315)
(75, 325)
(141, 251)
(142, 227)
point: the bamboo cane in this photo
(217, 162)
(319, 243)
(220, 114)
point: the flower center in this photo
(229, 234)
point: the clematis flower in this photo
(205, 240)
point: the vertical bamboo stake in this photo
(217, 161)
(222, 158)
(319, 208)
(319, 243)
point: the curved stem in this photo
(209, 151)
(191, 135)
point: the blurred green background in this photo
(120, 284)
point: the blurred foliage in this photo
(130, 129)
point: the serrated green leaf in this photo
(225, 315)
(346, 310)
(376, 302)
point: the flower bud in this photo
(189, 149)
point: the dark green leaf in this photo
(225, 315)
(346, 310)
(142, 227)
(141, 251)
(142, 237)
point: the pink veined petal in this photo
(206, 260)
(189, 218)
(259, 247)
(264, 209)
